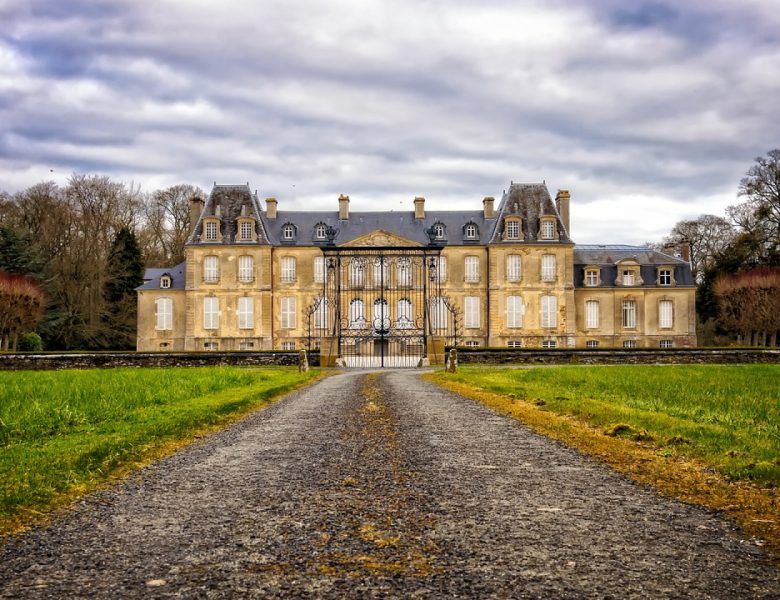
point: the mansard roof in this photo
(228, 203)
(530, 202)
(608, 257)
(152, 278)
(359, 224)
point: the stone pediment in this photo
(380, 237)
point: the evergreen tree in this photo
(125, 273)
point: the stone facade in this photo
(252, 275)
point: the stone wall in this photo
(48, 361)
(634, 356)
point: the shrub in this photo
(30, 342)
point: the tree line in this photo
(736, 261)
(71, 257)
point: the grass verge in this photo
(708, 435)
(65, 433)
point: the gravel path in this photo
(381, 485)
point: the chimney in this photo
(270, 208)
(419, 207)
(196, 207)
(487, 204)
(562, 204)
(685, 251)
(343, 207)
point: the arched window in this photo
(288, 232)
(357, 269)
(404, 272)
(357, 315)
(470, 231)
(320, 231)
(381, 314)
(403, 314)
(439, 231)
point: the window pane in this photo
(548, 230)
(288, 269)
(629, 313)
(472, 269)
(512, 230)
(548, 267)
(513, 267)
(211, 269)
(246, 231)
(514, 311)
(472, 312)
(665, 313)
(245, 268)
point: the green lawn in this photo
(728, 416)
(62, 432)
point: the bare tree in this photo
(166, 224)
(706, 236)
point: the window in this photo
(439, 269)
(514, 311)
(210, 346)
(210, 312)
(549, 312)
(246, 315)
(513, 267)
(665, 314)
(548, 229)
(512, 230)
(288, 312)
(667, 344)
(403, 314)
(321, 314)
(472, 344)
(549, 344)
(629, 344)
(548, 267)
(164, 345)
(592, 344)
(288, 269)
(381, 314)
(629, 314)
(320, 231)
(472, 269)
(246, 269)
(164, 314)
(470, 231)
(628, 277)
(664, 277)
(471, 305)
(288, 232)
(319, 269)
(246, 231)
(211, 230)
(592, 277)
(380, 272)
(165, 282)
(592, 314)
(246, 345)
(356, 272)
(439, 313)
(357, 314)
(404, 272)
(288, 346)
(514, 344)
(211, 269)
(438, 231)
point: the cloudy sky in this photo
(648, 112)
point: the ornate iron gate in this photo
(381, 304)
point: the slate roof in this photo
(608, 256)
(230, 202)
(529, 201)
(152, 278)
(400, 223)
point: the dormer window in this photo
(288, 232)
(470, 231)
(665, 276)
(592, 276)
(512, 228)
(628, 273)
(439, 231)
(547, 229)
(165, 281)
(320, 231)
(211, 230)
(246, 229)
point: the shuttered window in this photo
(514, 311)
(471, 305)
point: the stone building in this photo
(387, 284)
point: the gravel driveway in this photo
(382, 485)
